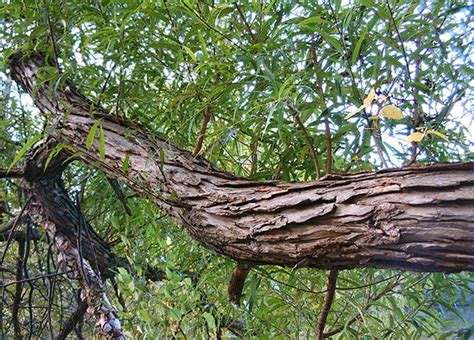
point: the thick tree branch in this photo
(416, 218)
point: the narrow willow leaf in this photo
(101, 143)
(211, 322)
(24, 149)
(333, 41)
(191, 53)
(126, 163)
(355, 112)
(370, 98)
(91, 135)
(162, 159)
(439, 134)
(285, 85)
(355, 54)
(391, 111)
(415, 137)
(313, 20)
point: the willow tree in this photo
(195, 168)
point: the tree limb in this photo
(331, 290)
(415, 218)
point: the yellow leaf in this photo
(415, 137)
(439, 134)
(355, 112)
(382, 98)
(391, 111)
(370, 98)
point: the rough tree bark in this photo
(416, 218)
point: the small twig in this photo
(328, 146)
(202, 131)
(405, 57)
(36, 278)
(13, 229)
(386, 290)
(247, 26)
(216, 30)
(331, 289)
(53, 39)
(11, 173)
(120, 195)
(308, 140)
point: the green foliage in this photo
(161, 63)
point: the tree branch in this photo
(395, 218)
(331, 289)
(11, 173)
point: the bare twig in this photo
(309, 141)
(331, 289)
(247, 26)
(53, 39)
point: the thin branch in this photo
(216, 30)
(331, 288)
(120, 195)
(247, 26)
(345, 56)
(73, 320)
(11, 173)
(386, 290)
(36, 278)
(309, 141)
(53, 39)
(16, 222)
(202, 131)
(328, 146)
(405, 57)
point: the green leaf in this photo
(91, 135)
(313, 20)
(355, 53)
(125, 163)
(191, 53)
(333, 41)
(211, 322)
(101, 143)
(162, 159)
(24, 149)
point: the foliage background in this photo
(258, 67)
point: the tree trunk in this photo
(416, 218)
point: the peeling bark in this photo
(415, 218)
(82, 252)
